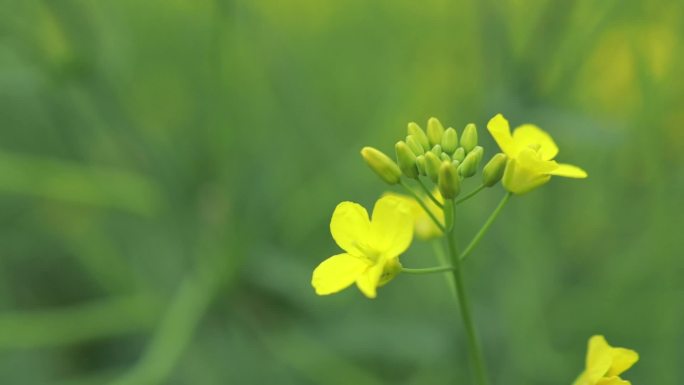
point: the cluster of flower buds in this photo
(439, 155)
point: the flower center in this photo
(534, 146)
(367, 251)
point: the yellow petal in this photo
(527, 172)
(501, 132)
(423, 226)
(623, 359)
(599, 358)
(350, 226)
(530, 135)
(569, 171)
(369, 280)
(613, 381)
(582, 379)
(391, 228)
(337, 273)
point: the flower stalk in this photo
(476, 357)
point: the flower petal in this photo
(423, 226)
(613, 381)
(599, 358)
(391, 228)
(350, 226)
(530, 135)
(569, 171)
(337, 273)
(623, 359)
(527, 172)
(369, 280)
(501, 132)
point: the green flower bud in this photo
(435, 130)
(450, 140)
(479, 152)
(413, 144)
(406, 160)
(432, 164)
(437, 150)
(469, 137)
(420, 163)
(459, 154)
(494, 169)
(382, 165)
(469, 165)
(445, 157)
(419, 134)
(449, 183)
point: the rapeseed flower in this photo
(372, 246)
(530, 152)
(605, 363)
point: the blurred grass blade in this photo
(76, 324)
(75, 183)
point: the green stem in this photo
(443, 260)
(470, 195)
(485, 227)
(424, 206)
(429, 193)
(427, 270)
(474, 349)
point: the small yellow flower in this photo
(372, 246)
(530, 152)
(424, 227)
(605, 363)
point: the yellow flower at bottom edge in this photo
(424, 227)
(372, 246)
(530, 151)
(605, 363)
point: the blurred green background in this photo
(168, 170)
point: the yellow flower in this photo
(424, 228)
(372, 246)
(530, 152)
(605, 363)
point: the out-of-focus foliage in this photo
(168, 170)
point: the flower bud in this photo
(469, 137)
(444, 157)
(437, 150)
(420, 164)
(413, 144)
(432, 163)
(479, 152)
(449, 183)
(450, 140)
(493, 170)
(459, 154)
(415, 130)
(406, 160)
(382, 165)
(469, 165)
(435, 130)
